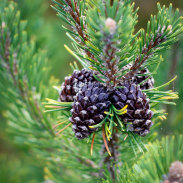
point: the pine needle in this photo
(53, 107)
(63, 128)
(56, 88)
(105, 142)
(121, 111)
(91, 150)
(125, 137)
(55, 126)
(164, 85)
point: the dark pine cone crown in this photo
(88, 108)
(74, 83)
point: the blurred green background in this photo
(16, 163)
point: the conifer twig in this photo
(145, 54)
(110, 161)
(111, 2)
(74, 11)
(111, 61)
(21, 86)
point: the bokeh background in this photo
(16, 163)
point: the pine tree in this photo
(108, 104)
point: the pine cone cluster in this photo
(91, 99)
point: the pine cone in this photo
(74, 83)
(88, 108)
(138, 111)
(176, 172)
(137, 79)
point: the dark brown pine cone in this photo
(74, 83)
(176, 172)
(137, 79)
(88, 108)
(138, 111)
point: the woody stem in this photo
(110, 161)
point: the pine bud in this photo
(169, 28)
(111, 25)
(3, 25)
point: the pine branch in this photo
(71, 11)
(145, 55)
(154, 165)
(103, 41)
(107, 37)
(162, 31)
(110, 161)
(110, 59)
(14, 74)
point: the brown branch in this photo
(111, 61)
(87, 162)
(110, 161)
(111, 2)
(6, 56)
(76, 16)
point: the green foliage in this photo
(154, 163)
(157, 160)
(163, 29)
(122, 45)
(24, 86)
(21, 69)
(12, 171)
(43, 26)
(106, 42)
